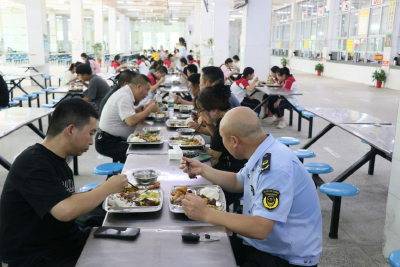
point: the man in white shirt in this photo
(120, 117)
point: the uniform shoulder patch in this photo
(270, 199)
(266, 162)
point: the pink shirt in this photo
(226, 72)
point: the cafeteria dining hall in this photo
(217, 133)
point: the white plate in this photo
(135, 209)
(168, 122)
(144, 143)
(178, 106)
(198, 137)
(178, 209)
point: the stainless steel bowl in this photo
(185, 110)
(185, 131)
(182, 116)
(176, 82)
(145, 177)
(160, 117)
(152, 130)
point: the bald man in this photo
(281, 223)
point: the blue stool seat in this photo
(55, 101)
(318, 168)
(3, 108)
(339, 189)
(299, 108)
(88, 187)
(47, 106)
(363, 141)
(20, 98)
(308, 114)
(394, 258)
(38, 93)
(304, 153)
(12, 103)
(289, 141)
(108, 168)
(52, 88)
(49, 89)
(29, 96)
(60, 77)
(46, 77)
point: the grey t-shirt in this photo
(97, 90)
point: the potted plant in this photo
(319, 68)
(285, 62)
(379, 76)
(98, 51)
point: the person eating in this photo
(116, 64)
(194, 85)
(192, 61)
(141, 65)
(236, 62)
(156, 80)
(156, 65)
(226, 69)
(281, 224)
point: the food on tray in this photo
(188, 120)
(158, 113)
(186, 141)
(179, 194)
(146, 137)
(190, 171)
(178, 106)
(148, 202)
(177, 123)
(210, 192)
(155, 186)
(133, 196)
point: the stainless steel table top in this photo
(170, 175)
(345, 116)
(65, 90)
(276, 91)
(14, 118)
(159, 248)
(380, 137)
(12, 77)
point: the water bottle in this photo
(159, 100)
(171, 105)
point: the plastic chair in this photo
(316, 169)
(108, 169)
(46, 78)
(337, 190)
(55, 101)
(20, 99)
(308, 116)
(288, 141)
(13, 104)
(88, 187)
(30, 97)
(59, 80)
(303, 154)
(394, 258)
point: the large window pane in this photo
(310, 7)
(336, 26)
(173, 39)
(320, 28)
(303, 26)
(314, 29)
(365, 3)
(302, 7)
(160, 40)
(371, 44)
(353, 23)
(286, 32)
(374, 21)
(307, 30)
(363, 45)
(356, 44)
(344, 27)
(384, 19)
(355, 4)
(147, 43)
(298, 31)
(378, 44)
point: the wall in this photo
(14, 31)
(393, 81)
(235, 29)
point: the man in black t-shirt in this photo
(4, 98)
(38, 203)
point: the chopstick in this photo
(194, 133)
(117, 174)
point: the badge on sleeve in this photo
(252, 189)
(266, 162)
(270, 199)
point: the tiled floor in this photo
(362, 217)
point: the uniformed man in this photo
(281, 223)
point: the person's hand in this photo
(153, 107)
(116, 183)
(276, 104)
(125, 66)
(196, 165)
(162, 80)
(256, 79)
(195, 116)
(205, 119)
(139, 109)
(193, 125)
(177, 99)
(195, 207)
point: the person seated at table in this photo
(190, 69)
(141, 65)
(144, 53)
(192, 61)
(168, 61)
(281, 224)
(124, 78)
(194, 85)
(241, 87)
(116, 64)
(225, 69)
(278, 106)
(4, 94)
(155, 56)
(183, 66)
(146, 60)
(212, 103)
(97, 89)
(120, 117)
(156, 79)
(155, 66)
(236, 62)
(38, 204)
(87, 60)
(271, 78)
(70, 75)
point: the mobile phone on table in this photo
(203, 157)
(117, 232)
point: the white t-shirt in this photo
(68, 75)
(182, 52)
(118, 107)
(143, 69)
(238, 89)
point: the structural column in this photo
(206, 48)
(134, 47)
(3, 57)
(112, 30)
(197, 31)
(221, 31)
(256, 16)
(122, 34)
(127, 38)
(66, 47)
(98, 22)
(76, 14)
(38, 41)
(53, 33)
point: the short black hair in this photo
(74, 111)
(126, 76)
(212, 74)
(71, 67)
(274, 69)
(183, 60)
(84, 69)
(169, 56)
(192, 68)
(162, 69)
(140, 79)
(194, 79)
(117, 57)
(228, 60)
(84, 55)
(190, 57)
(236, 58)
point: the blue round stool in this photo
(337, 191)
(20, 99)
(13, 103)
(316, 169)
(394, 258)
(303, 154)
(108, 169)
(299, 108)
(88, 187)
(3, 108)
(29, 96)
(309, 116)
(288, 141)
(55, 101)
(47, 106)
(38, 93)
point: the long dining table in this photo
(160, 241)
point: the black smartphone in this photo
(117, 232)
(203, 157)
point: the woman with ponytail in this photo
(241, 87)
(182, 49)
(212, 103)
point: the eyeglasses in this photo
(198, 112)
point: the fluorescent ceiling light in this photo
(142, 21)
(173, 21)
(175, 3)
(60, 8)
(59, 16)
(175, 18)
(129, 2)
(120, 2)
(60, 2)
(236, 16)
(240, 11)
(231, 19)
(87, 17)
(87, 2)
(133, 9)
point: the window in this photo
(147, 43)
(160, 40)
(174, 38)
(281, 31)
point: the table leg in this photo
(371, 166)
(318, 136)
(333, 232)
(35, 70)
(3, 162)
(37, 83)
(36, 130)
(262, 103)
(18, 85)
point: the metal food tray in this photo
(273, 85)
(144, 143)
(168, 123)
(198, 137)
(135, 209)
(153, 115)
(178, 209)
(177, 107)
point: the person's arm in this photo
(251, 87)
(139, 117)
(117, 69)
(157, 85)
(183, 75)
(82, 203)
(87, 99)
(179, 100)
(202, 130)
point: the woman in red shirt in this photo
(241, 87)
(116, 64)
